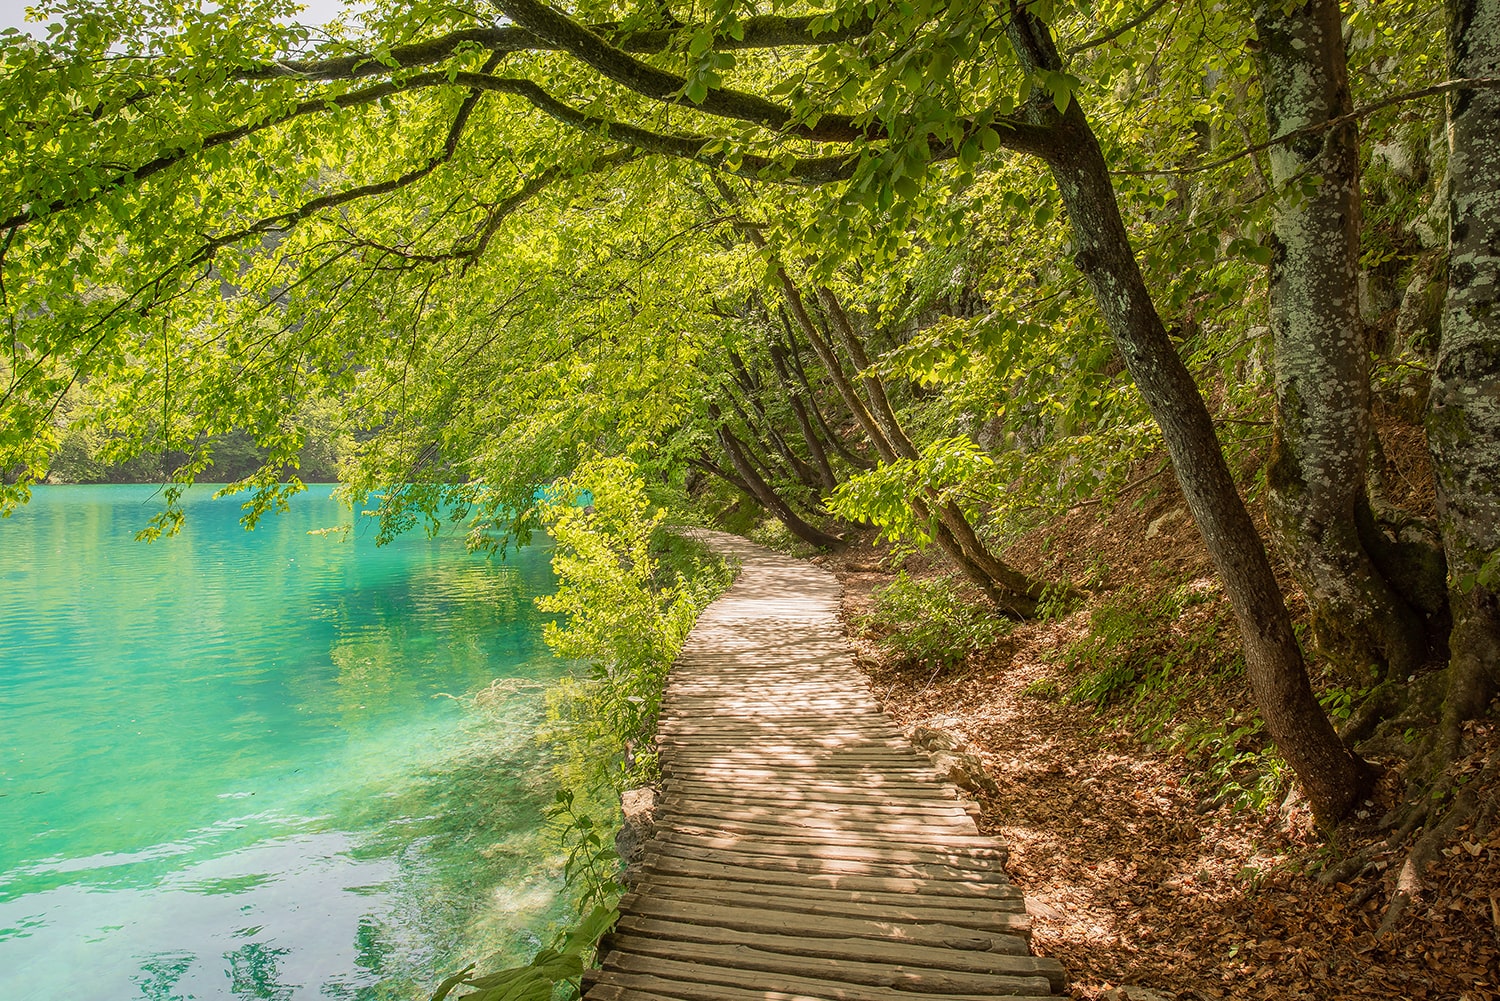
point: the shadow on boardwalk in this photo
(804, 849)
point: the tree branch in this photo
(503, 210)
(688, 146)
(763, 31)
(286, 220)
(1363, 111)
(167, 159)
(620, 66)
(1110, 36)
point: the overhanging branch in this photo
(1364, 111)
(763, 31)
(625, 69)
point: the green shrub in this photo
(929, 622)
(626, 612)
(1140, 660)
(1131, 648)
(1044, 689)
(628, 593)
(1239, 764)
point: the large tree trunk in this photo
(1463, 416)
(1330, 775)
(1317, 472)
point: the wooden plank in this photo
(934, 812)
(914, 912)
(1002, 898)
(819, 787)
(864, 950)
(809, 863)
(791, 715)
(703, 974)
(854, 777)
(752, 919)
(770, 878)
(918, 978)
(750, 759)
(761, 740)
(894, 827)
(904, 820)
(932, 803)
(854, 853)
(741, 731)
(970, 843)
(885, 748)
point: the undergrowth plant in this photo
(628, 593)
(929, 622)
(1149, 661)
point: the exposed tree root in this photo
(1473, 803)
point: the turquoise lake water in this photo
(229, 765)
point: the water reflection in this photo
(229, 770)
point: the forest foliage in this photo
(942, 267)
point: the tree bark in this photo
(1330, 775)
(706, 464)
(1020, 604)
(1024, 591)
(762, 427)
(832, 436)
(1317, 472)
(880, 403)
(815, 449)
(1463, 415)
(768, 497)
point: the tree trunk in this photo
(880, 403)
(705, 463)
(762, 428)
(768, 497)
(1331, 776)
(820, 464)
(1024, 591)
(1018, 603)
(832, 436)
(1317, 471)
(1463, 415)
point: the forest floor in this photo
(1152, 832)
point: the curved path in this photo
(803, 848)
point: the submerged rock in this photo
(637, 825)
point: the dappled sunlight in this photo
(799, 833)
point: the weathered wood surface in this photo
(804, 849)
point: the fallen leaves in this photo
(1133, 879)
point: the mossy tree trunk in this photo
(1463, 416)
(1317, 472)
(1331, 776)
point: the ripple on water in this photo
(226, 769)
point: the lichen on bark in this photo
(1463, 420)
(1317, 473)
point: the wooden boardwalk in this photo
(804, 849)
